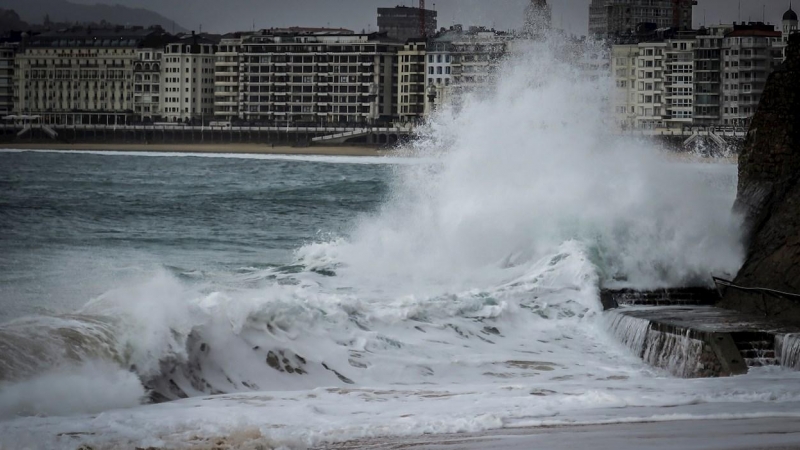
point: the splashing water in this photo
(520, 171)
(482, 268)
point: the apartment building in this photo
(538, 18)
(679, 81)
(614, 17)
(749, 54)
(188, 79)
(650, 85)
(439, 68)
(80, 75)
(623, 69)
(411, 73)
(315, 78)
(226, 79)
(707, 74)
(7, 53)
(147, 82)
(476, 57)
(788, 28)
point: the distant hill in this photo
(34, 12)
(10, 20)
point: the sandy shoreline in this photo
(205, 148)
(767, 433)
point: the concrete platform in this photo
(708, 319)
(679, 332)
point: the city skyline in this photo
(571, 15)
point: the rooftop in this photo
(753, 29)
(93, 37)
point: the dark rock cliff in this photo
(769, 196)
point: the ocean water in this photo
(180, 300)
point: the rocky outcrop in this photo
(769, 196)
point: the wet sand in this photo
(729, 434)
(206, 148)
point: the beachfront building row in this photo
(284, 76)
(287, 76)
(711, 77)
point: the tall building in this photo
(650, 81)
(411, 71)
(707, 75)
(307, 79)
(476, 57)
(227, 95)
(188, 79)
(402, 23)
(679, 80)
(538, 18)
(439, 68)
(7, 54)
(789, 27)
(147, 79)
(80, 75)
(749, 54)
(623, 68)
(615, 17)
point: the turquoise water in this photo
(74, 225)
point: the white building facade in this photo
(78, 76)
(411, 73)
(147, 84)
(749, 54)
(226, 80)
(188, 80)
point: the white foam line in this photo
(678, 417)
(331, 159)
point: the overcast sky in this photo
(572, 15)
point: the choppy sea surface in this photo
(163, 300)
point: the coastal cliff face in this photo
(769, 196)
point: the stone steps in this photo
(757, 349)
(761, 362)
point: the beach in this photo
(242, 148)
